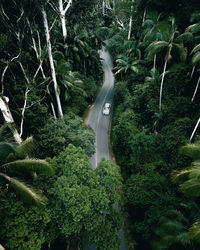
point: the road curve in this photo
(100, 125)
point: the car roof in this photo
(107, 105)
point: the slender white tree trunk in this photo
(64, 30)
(161, 84)
(192, 72)
(130, 27)
(51, 103)
(53, 73)
(130, 21)
(193, 132)
(62, 12)
(8, 118)
(154, 62)
(103, 7)
(38, 52)
(144, 16)
(195, 91)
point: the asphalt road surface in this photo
(100, 125)
(96, 119)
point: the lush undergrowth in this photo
(147, 132)
(49, 194)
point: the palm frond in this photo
(191, 149)
(195, 170)
(134, 68)
(129, 45)
(121, 62)
(67, 82)
(57, 55)
(185, 37)
(26, 147)
(194, 232)
(138, 53)
(148, 22)
(120, 70)
(181, 51)
(153, 35)
(6, 149)
(194, 28)
(196, 58)
(26, 193)
(191, 187)
(183, 238)
(196, 48)
(179, 177)
(165, 28)
(29, 165)
(156, 47)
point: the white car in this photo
(106, 109)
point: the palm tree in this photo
(124, 64)
(13, 162)
(131, 49)
(79, 47)
(173, 229)
(189, 180)
(151, 33)
(168, 44)
(194, 28)
(68, 80)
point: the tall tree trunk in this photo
(103, 8)
(63, 11)
(193, 132)
(8, 118)
(38, 52)
(130, 21)
(51, 103)
(144, 16)
(193, 68)
(161, 84)
(154, 62)
(53, 73)
(64, 30)
(130, 27)
(195, 91)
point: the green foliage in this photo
(173, 230)
(81, 198)
(145, 141)
(192, 150)
(13, 164)
(110, 178)
(23, 227)
(144, 190)
(115, 43)
(194, 232)
(148, 198)
(122, 132)
(57, 134)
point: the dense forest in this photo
(50, 74)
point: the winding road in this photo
(100, 125)
(98, 121)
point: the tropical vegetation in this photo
(50, 74)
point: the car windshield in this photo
(107, 105)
